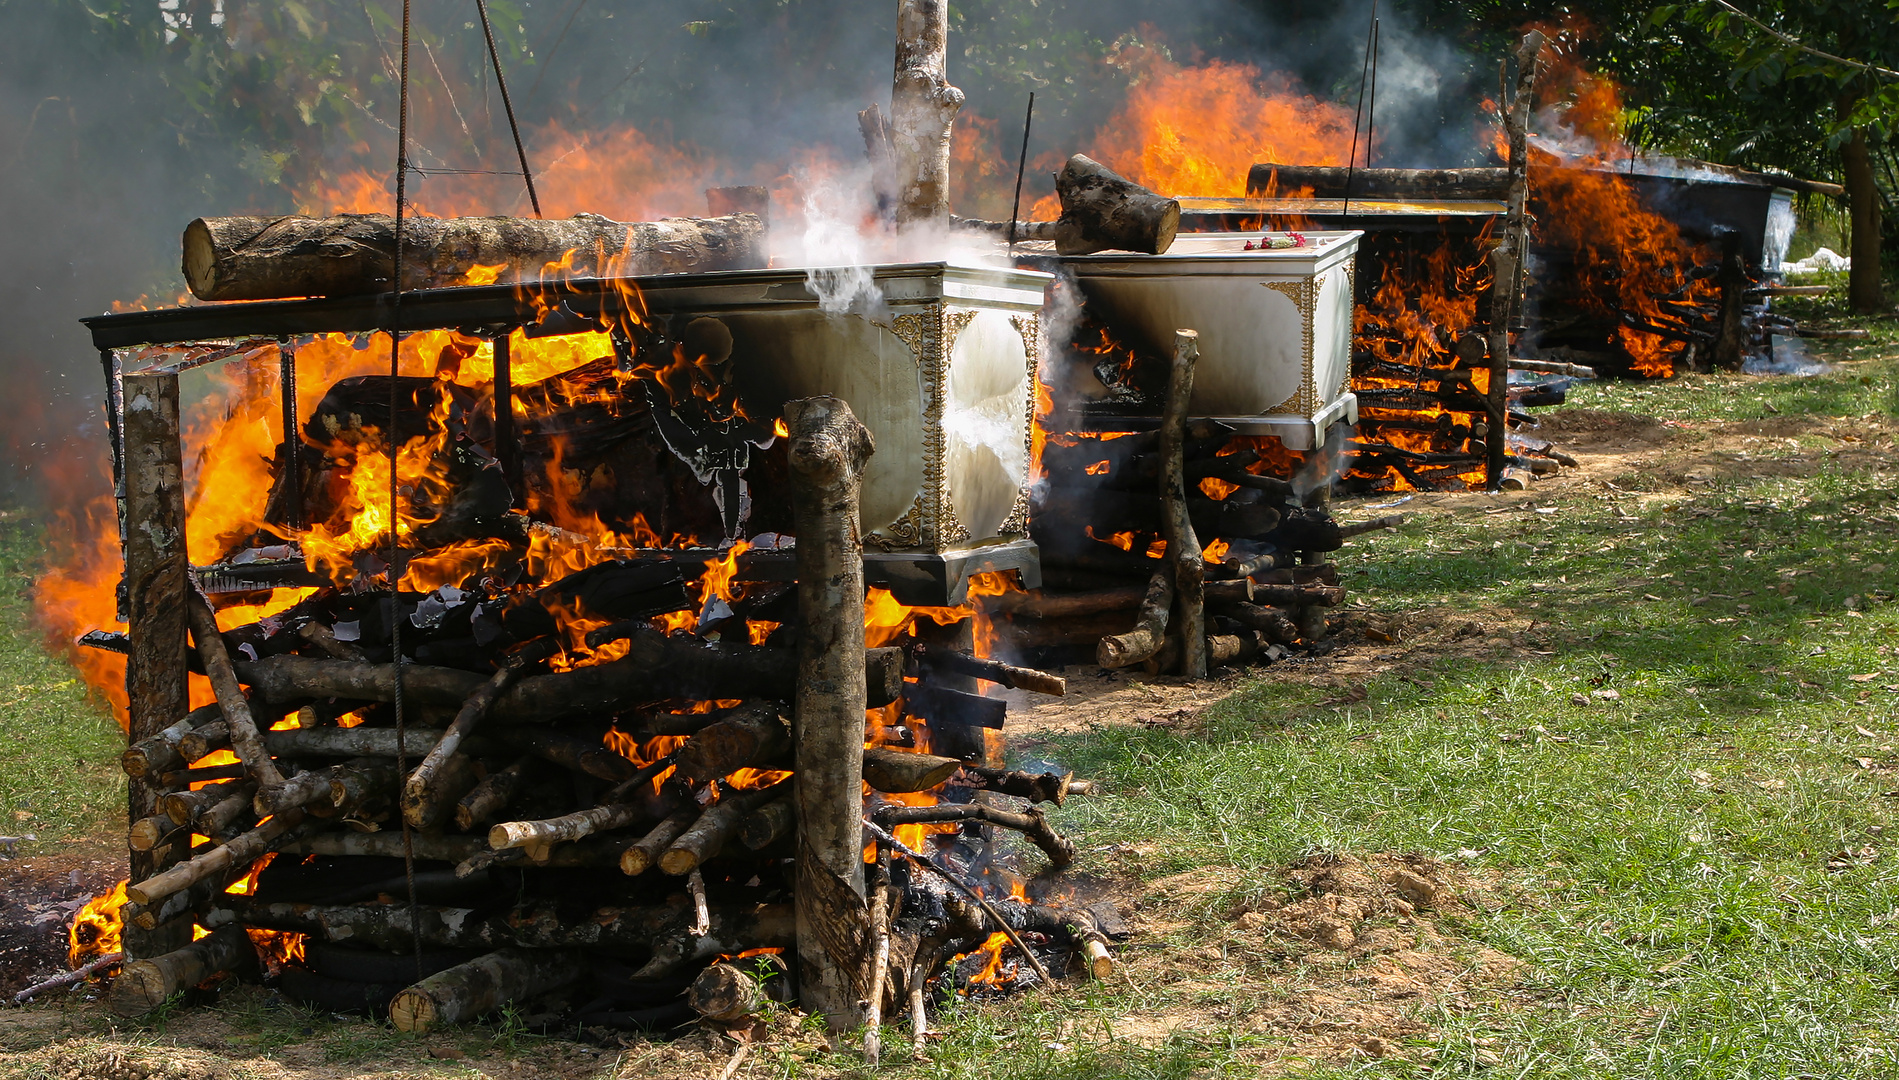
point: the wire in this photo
(507, 105)
(395, 481)
(1358, 116)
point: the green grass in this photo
(1697, 869)
(59, 747)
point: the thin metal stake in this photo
(1021, 163)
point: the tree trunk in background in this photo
(1864, 288)
(923, 105)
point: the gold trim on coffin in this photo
(931, 523)
(1304, 294)
(1030, 327)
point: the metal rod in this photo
(507, 106)
(506, 450)
(1364, 76)
(293, 443)
(1021, 164)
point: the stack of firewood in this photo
(1127, 577)
(436, 804)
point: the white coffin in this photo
(942, 373)
(1275, 325)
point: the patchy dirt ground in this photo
(38, 898)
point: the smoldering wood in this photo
(186, 807)
(152, 518)
(769, 823)
(144, 985)
(733, 990)
(160, 753)
(71, 978)
(749, 738)
(242, 850)
(1039, 605)
(183, 778)
(481, 986)
(200, 744)
(827, 452)
(995, 671)
(264, 258)
(245, 739)
(1035, 787)
(719, 823)
(349, 742)
(1150, 627)
(324, 640)
(386, 844)
(293, 678)
(573, 752)
(1031, 823)
(1104, 211)
(898, 772)
(1278, 627)
(644, 853)
(1271, 179)
(942, 705)
(487, 799)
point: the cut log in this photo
(246, 742)
(1359, 528)
(642, 855)
(479, 987)
(768, 824)
(720, 822)
(307, 788)
(184, 807)
(1296, 595)
(161, 753)
(241, 851)
(827, 453)
(422, 799)
(749, 738)
(434, 804)
(514, 834)
(1039, 605)
(941, 705)
(387, 844)
(144, 985)
(1058, 633)
(293, 678)
(349, 742)
(1035, 787)
(199, 744)
(491, 796)
(202, 892)
(1272, 180)
(1101, 211)
(995, 671)
(896, 772)
(734, 990)
(1276, 625)
(363, 784)
(1031, 823)
(148, 832)
(1150, 627)
(262, 258)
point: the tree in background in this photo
(1820, 58)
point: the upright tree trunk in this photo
(828, 451)
(923, 105)
(1864, 287)
(155, 589)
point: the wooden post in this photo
(1183, 547)
(155, 591)
(1730, 339)
(828, 451)
(923, 106)
(1506, 259)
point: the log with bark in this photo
(707, 836)
(734, 990)
(144, 985)
(1103, 211)
(232, 704)
(482, 986)
(1035, 787)
(995, 671)
(264, 258)
(942, 705)
(646, 851)
(750, 737)
(421, 797)
(240, 851)
(769, 823)
(487, 799)
(827, 452)
(1150, 626)
(899, 772)
(160, 753)
(1031, 823)
(1270, 180)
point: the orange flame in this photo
(97, 929)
